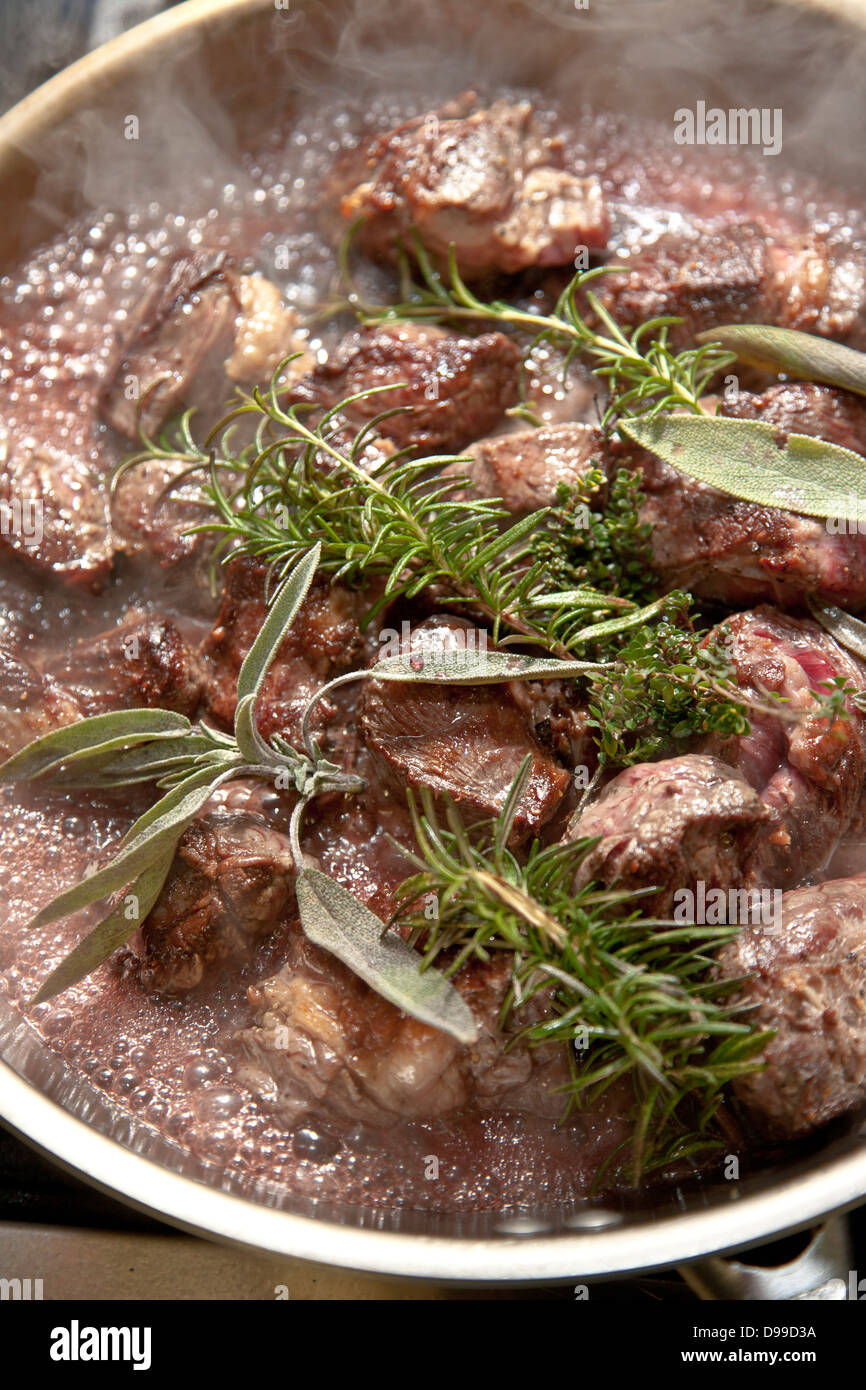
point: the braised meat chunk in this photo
(524, 468)
(666, 826)
(154, 506)
(31, 703)
(230, 883)
(325, 640)
(466, 742)
(739, 273)
(143, 661)
(808, 766)
(489, 181)
(449, 389)
(198, 327)
(806, 979)
(183, 331)
(54, 511)
(321, 1038)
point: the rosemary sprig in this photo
(629, 995)
(643, 374)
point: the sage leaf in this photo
(281, 614)
(800, 354)
(129, 766)
(251, 745)
(113, 931)
(162, 827)
(743, 459)
(335, 920)
(102, 734)
(464, 667)
(849, 632)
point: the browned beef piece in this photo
(324, 641)
(808, 982)
(736, 552)
(489, 181)
(672, 824)
(230, 883)
(454, 388)
(31, 704)
(808, 768)
(143, 661)
(525, 468)
(739, 273)
(182, 332)
(467, 742)
(558, 722)
(153, 510)
(54, 512)
(200, 327)
(323, 1040)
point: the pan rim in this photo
(790, 1204)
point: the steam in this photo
(648, 57)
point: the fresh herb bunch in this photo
(190, 764)
(610, 549)
(629, 995)
(398, 520)
(663, 689)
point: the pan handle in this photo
(821, 1272)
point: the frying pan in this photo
(232, 64)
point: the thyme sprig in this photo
(643, 374)
(630, 995)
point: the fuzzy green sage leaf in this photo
(335, 920)
(112, 932)
(461, 666)
(103, 734)
(800, 354)
(744, 459)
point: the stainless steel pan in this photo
(247, 56)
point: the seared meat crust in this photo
(230, 883)
(143, 661)
(488, 181)
(805, 978)
(665, 826)
(450, 389)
